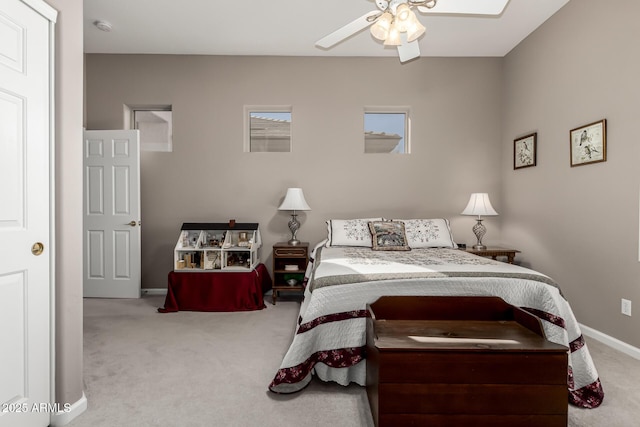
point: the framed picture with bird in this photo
(524, 151)
(588, 143)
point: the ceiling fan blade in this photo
(468, 7)
(408, 50)
(348, 30)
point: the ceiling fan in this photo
(396, 24)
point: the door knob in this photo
(132, 223)
(37, 248)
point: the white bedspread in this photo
(330, 339)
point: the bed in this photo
(364, 259)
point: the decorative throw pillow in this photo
(349, 232)
(428, 233)
(388, 236)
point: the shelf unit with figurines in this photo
(217, 247)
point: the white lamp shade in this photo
(403, 17)
(479, 204)
(393, 39)
(415, 29)
(380, 29)
(294, 201)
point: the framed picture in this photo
(588, 143)
(524, 151)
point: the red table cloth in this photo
(219, 291)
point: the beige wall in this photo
(455, 108)
(68, 189)
(579, 225)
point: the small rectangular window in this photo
(155, 129)
(386, 130)
(268, 129)
(155, 124)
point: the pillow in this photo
(350, 232)
(428, 233)
(388, 236)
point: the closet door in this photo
(25, 213)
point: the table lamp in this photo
(294, 201)
(479, 205)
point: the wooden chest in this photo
(460, 361)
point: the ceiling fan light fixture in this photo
(380, 29)
(415, 29)
(404, 21)
(395, 22)
(394, 37)
(403, 13)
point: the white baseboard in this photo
(611, 341)
(153, 291)
(63, 418)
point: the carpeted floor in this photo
(143, 368)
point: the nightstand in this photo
(494, 252)
(289, 262)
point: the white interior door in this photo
(111, 214)
(25, 215)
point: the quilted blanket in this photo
(330, 339)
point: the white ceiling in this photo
(291, 28)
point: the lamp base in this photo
(479, 230)
(294, 225)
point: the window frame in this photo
(406, 110)
(130, 123)
(249, 109)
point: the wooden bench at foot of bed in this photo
(462, 361)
